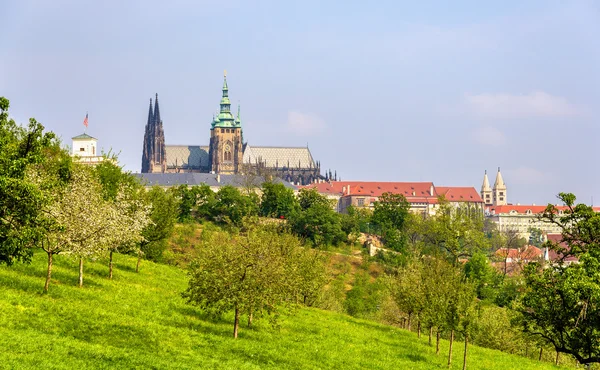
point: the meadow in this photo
(139, 320)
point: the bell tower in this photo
(499, 190)
(486, 190)
(226, 147)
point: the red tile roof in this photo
(460, 194)
(558, 240)
(527, 253)
(415, 192)
(522, 209)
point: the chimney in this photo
(431, 190)
(348, 188)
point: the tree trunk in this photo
(250, 319)
(49, 274)
(437, 341)
(236, 322)
(430, 334)
(450, 348)
(465, 355)
(408, 322)
(80, 272)
(541, 351)
(110, 265)
(137, 265)
(419, 329)
(557, 358)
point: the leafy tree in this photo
(278, 201)
(22, 200)
(82, 223)
(317, 221)
(535, 237)
(455, 231)
(230, 206)
(249, 273)
(126, 194)
(481, 273)
(561, 304)
(163, 216)
(389, 215)
(408, 291)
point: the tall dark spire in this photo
(157, 119)
(153, 155)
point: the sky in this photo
(380, 91)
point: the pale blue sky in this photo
(390, 90)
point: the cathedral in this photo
(495, 196)
(226, 153)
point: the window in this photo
(501, 198)
(82, 149)
(501, 193)
(360, 201)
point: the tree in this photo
(278, 201)
(481, 273)
(163, 216)
(561, 304)
(248, 273)
(231, 207)
(389, 215)
(408, 291)
(22, 199)
(81, 222)
(126, 194)
(455, 231)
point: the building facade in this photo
(227, 153)
(85, 149)
(423, 197)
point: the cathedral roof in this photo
(274, 156)
(191, 179)
(186, 156)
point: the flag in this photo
(85, 121)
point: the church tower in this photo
(226, 147)
(486, 190)
(499, 190)
(153, 156)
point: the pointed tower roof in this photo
(499, 181)
(150, 115)
(238, 119)
(486, 183)
(225, 118)
(156, 110)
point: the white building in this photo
(85, 149)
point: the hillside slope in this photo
(139, 320)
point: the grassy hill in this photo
(138, 320)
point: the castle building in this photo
(494, 196)
(227, 153)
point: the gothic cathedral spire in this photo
(153, 155)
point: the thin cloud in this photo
(537, 104)
(305, 124)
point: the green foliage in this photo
(278, 201)
(251, 273)
(455, 231)
(481, 273)
(562, 302)
(316, 221)
(163, 214)
(22, 151)
(231, 206)
(365, 297)
(390, 215)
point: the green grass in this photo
(138, 320)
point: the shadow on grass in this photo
(198, 320)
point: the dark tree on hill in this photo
(278, 201)
(317, 221)
(390, 215)
(231, 206)
(163, 214)
(21, 201)
(561, 304)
